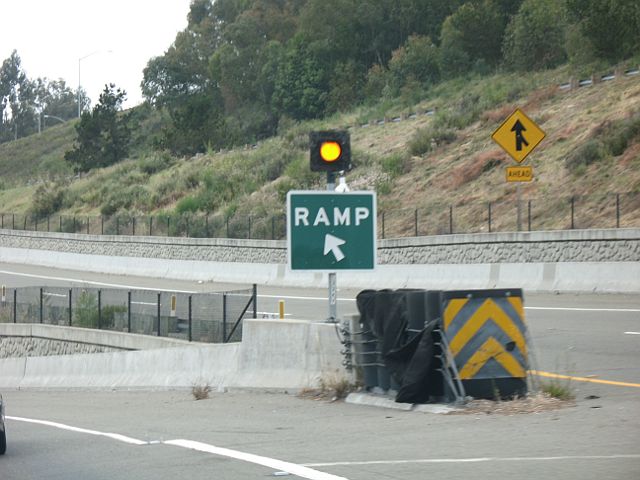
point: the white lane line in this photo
(90, 282)
(632, 333)
(62, 426)
(478, 460)
(292, 468)
(579, 309)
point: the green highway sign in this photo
(330, 231)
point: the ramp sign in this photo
(329, 231)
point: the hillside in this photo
(422, 158)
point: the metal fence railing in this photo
(203, 317)
(612, 210)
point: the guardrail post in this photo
(117, 225)
(15, 305)
(13, 221)
(41, 305)
(158, 314)
(529, 215)
(273, 228)
(150, 226)
(249, 234)
(206, 226)
(133, 226)
(617, 210)
(489, 216)
(383, 232)
(168, 225)
(415, 218)
(60, 219)
(48, 223)
(101, 224)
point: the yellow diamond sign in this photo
(518, 135)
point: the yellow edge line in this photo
(583, 379)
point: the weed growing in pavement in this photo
(562, 390)
(200, 392)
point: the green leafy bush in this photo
(590, 152)
(426, 139)
(47, 199)
(188, 204)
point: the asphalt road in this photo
(244, 435)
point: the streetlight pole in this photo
(54, 117)
(79, 83)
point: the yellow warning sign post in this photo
(518, 135)
(487, 338)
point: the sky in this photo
(101, 41)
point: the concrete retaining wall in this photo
(273, 354)
(605, 245)
(36, 340)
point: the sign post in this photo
(330, 232)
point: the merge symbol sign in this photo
(518, 135)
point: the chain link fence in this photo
(201, 317)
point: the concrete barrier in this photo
(606, 260)
(282, 354)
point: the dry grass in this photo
(534, 403)
(200, 392)
(331, 388)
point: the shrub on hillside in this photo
(590, 152)
(426, 139)
(47, 199)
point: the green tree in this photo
(472, 37)
(103, 134)
(612, 27)
(301, 85)
(18, 113)
(535, 37)
(415, 61)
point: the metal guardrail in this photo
(203, 317)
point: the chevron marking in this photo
(516, 303)
(453, 308)
(492, 349)
(488, 310)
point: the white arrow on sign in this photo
(332, 244)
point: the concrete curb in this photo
(386, 402)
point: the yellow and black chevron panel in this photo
(486, 332)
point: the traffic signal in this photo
(330, 151)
